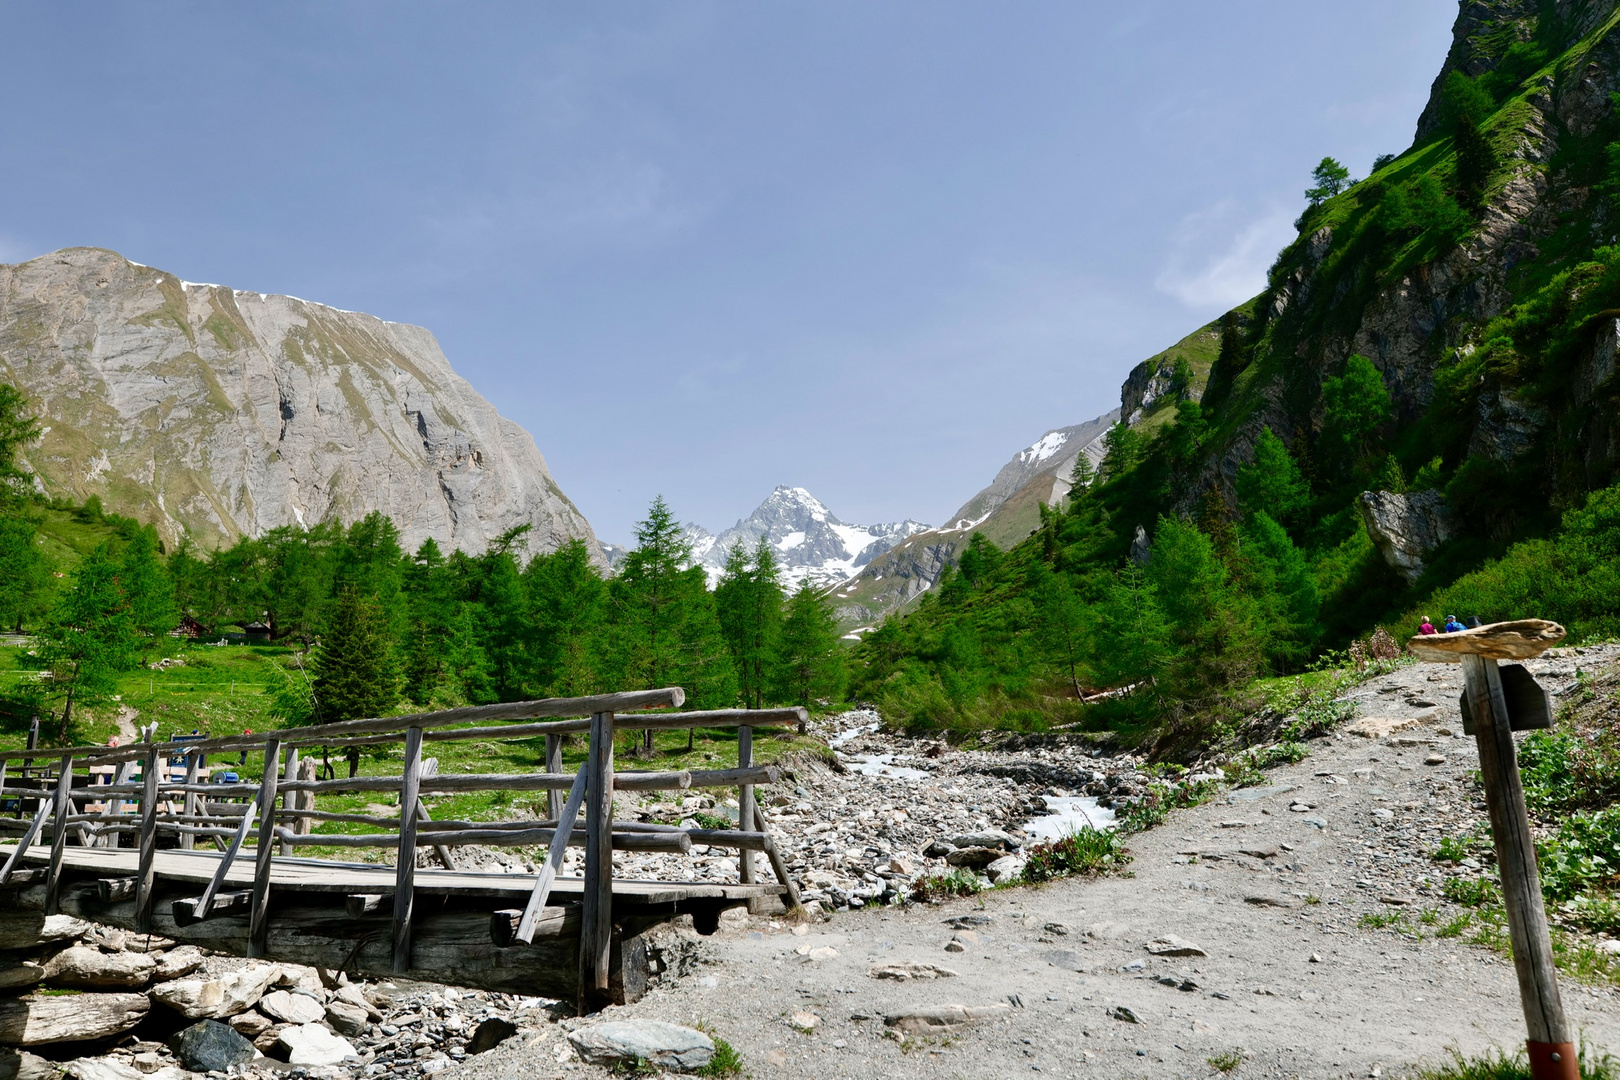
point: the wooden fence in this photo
(150, 797)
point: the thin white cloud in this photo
(1219, 256)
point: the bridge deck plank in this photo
(309, 875)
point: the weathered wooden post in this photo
(145, 876)
(259, 918)
(554, 798)
(61, 807)
(405, 861)
(192, 802)
(292, 800)
(1552, 1051)
(745, 803)
(596, 914)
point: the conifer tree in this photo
(25, 572)
(1064, 624)
(89, 637)
(1272, 482)
(354, 668)
(567, 597)
(665, 630)
(1122, 449)
(146, 586)
(809, 659)
(18, 428)
(748, 600)
(1354, 406)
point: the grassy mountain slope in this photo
(1449, 325)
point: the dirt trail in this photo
(1272, 882)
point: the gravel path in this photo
(1271, 882)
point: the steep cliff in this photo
(1474, 271)
(216, 413)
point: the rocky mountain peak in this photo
(217, 413)
(810, 541)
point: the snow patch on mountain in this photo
(810, 542)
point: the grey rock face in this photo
(1052, 455)
(221, 413)
(1406, 527)
(210, 1046)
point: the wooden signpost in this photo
(1492, 712)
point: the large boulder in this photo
(210, 1046)
(21, 1065)
(15, 973)
(633, 1042)
(35, 1021)
(313, 1044)
(1406, 528)
(231, 993)
(28, 929)
(89, 968)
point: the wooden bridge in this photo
(576, 938)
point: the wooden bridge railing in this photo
(187, 809)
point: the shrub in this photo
(954, 882)
(1470, 891)
(1089, 851)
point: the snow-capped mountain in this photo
(809, 541)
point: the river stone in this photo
(313, 1044)
(907, 971)
(991, 838)
(292, 1008)
(200, 999)
(347, 1018)
(251, 1024)
(177, 963)
(1006, 868)
(656, 1042)
(210, 1046)
(355, 996)
(934, 1019)
(1170, 945)
(89, 968)
(975, 857)
(490, 1034)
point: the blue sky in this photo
(703, 249)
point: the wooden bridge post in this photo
(293, 799)
(405, 862)
(745, 803)
(596, 921)
(144, 876)
(259, 921)
(60, 808)
(554, 798)
(192, 802)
